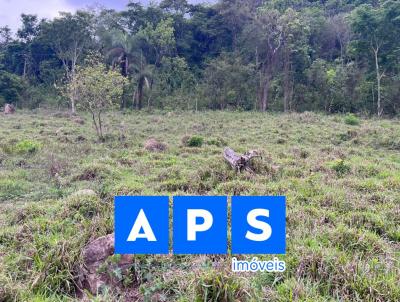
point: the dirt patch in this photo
(154, 145)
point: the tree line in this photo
(281, 55)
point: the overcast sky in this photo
(10, 10)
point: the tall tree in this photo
(377, 29)
(264, 36)
(27, 33)
(69, 36)
(294, 41)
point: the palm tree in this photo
(126, 53)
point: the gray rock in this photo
(9, 109)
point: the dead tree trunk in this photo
(240, 162)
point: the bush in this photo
(219, 142)
(340, 167)
(22, 147)
(351, 119)
(216, 286)
(27, 146)
(194, 141)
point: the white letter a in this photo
(141, 222)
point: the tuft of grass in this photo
(340, 167)
(218, 286)
(27, 147)
(193, 141)
(351, 119)
(22, 147)
(219, 142)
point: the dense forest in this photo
(279, 55)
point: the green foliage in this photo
(217, 286)
(98, 89)
(27, 146)
(227, 83)
(276, 55)
(340, 167)
(11, 87)
(194, 141)
(22, 147)
(12, 188)
(351, 119)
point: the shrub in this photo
(194, 141)
(340, 167)
(23, 147)
(216, 286)
(219, 142)
(351, 119)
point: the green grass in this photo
(351, 119)
(341, 179)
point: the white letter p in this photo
(192, 227)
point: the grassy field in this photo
(341, 176)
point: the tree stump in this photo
(240, 162)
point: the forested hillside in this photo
(283, 55)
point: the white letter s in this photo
(265, 227)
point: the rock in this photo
(154, 146)
(78, 120)
(95, 256)
(9, 109)
(98, 250)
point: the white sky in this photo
(10, 10)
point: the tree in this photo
(294, 41)
(69, 36)
(265, 37)
(5, 36)
(160, 40)
(342, 31)
(377, 29)
(10, 87)
(174, 83)
(228, 82)
(27, 33)
(97, 89)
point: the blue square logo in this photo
(258, 225)
(141, 224)
(200, 225)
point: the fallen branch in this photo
(240, 162)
